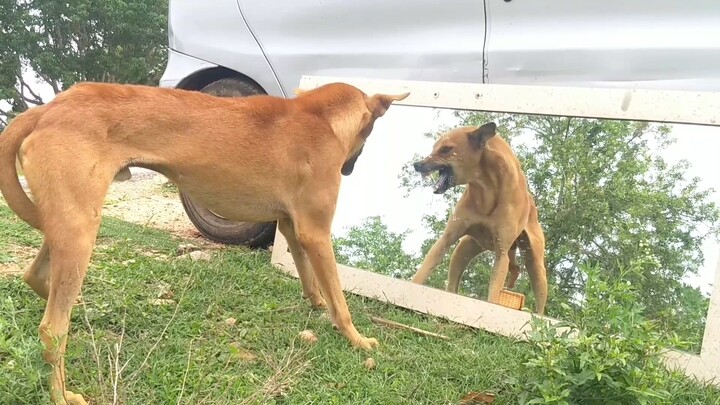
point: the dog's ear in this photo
(479, 137)
(378, 104)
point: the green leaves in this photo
(83, 40)
(371, 245)
(615, 357)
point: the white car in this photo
(246, 47)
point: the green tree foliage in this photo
(606, 198)
(83, 40)
(371, 245)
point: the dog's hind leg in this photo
(69, 261)
(70, 241)
(499, 273)
(514, 269)
(37, 275)
(72, 208)
(466, 250)
(304, 268)
(532, 246)
(503, 239)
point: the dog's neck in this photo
(489, 164)
(345, 123)
(345, 127)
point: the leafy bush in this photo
(609, 353)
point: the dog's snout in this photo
(419, 166)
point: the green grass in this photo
(125, 348)
(169, 189)
(201, 350)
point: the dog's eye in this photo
(445, 150)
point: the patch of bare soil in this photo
(146, 199)
(21, 256)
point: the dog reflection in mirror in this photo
(496, 212)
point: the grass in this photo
(153, 329)
(169, 189)
(125, 348)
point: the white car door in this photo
(414, 40)
(667, 44)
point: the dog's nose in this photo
(418, 166)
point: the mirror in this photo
(635, 201)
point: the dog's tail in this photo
(10, 140)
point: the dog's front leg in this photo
(467, 249)
(302, 264)
(454, 229)
(313, 235)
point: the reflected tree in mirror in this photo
(371, 245)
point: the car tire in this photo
(256, 235)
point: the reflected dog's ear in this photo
(299, 91)
(479, 137)
(378, 104)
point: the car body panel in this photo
(418, 40)
(180, 67)
(664, 44)
(215, 32)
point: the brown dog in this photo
(496, 212)
(253, 159)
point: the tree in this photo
(372, 246)
(12, 27)
(62, 43)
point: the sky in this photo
(374, 186)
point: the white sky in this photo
(374, 186)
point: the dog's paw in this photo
(74, 399)
(70, 398)
(366, 343)
(317, 302)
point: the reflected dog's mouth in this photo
(446, 179)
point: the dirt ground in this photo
(146, 199)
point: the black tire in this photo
(255, 235)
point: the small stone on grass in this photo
(197, 255)
(369, 363)
(308, 336)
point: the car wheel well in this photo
(202, 78)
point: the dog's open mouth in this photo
(446, 179)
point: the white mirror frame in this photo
(681, 107)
